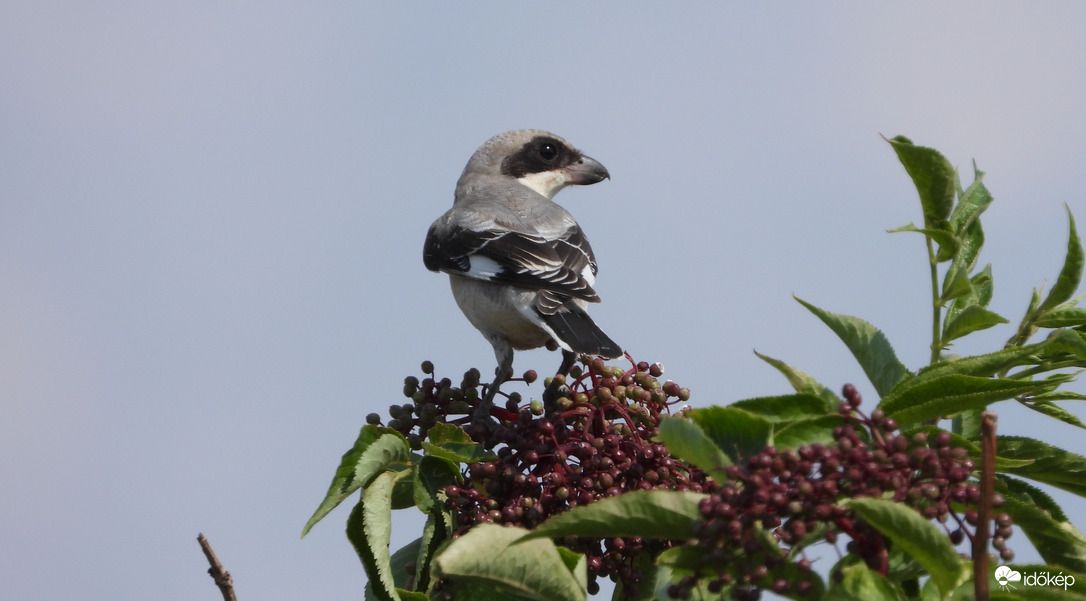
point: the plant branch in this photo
(936, 306)
(222, 578)
(984, 513)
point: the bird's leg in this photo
(503, 372)
(550, 395)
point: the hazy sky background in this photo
(212, 214)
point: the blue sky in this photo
(211, 220)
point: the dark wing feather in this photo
(575, 328)
(524, 260)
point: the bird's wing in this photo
(563, 264)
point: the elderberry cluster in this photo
(594, 441)
(794, 496)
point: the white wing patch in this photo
(483, 267)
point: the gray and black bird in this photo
(520, 267)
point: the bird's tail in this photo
(576, 330)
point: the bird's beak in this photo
(586, 171)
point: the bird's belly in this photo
(493, 311)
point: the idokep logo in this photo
(1006, 575)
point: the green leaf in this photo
(979, 365)
(432, 475)
(794, 434)
(1061, 395)
(1051, 465)
(1051, 534)
(1055, 411)
(688, 442)
(369, 528)
(803, 383)
(913, 534)
(499, 562)
(399, 559)
(786, 407)
(971, 203)
(1066, 341)
(933, 176)
(956, 284)
(736, 432)
(944, 396)
(971, 242)
(645, 513)
(1062, 317)
(374, 450)
(453, 443)
(858, 583)
(868, 345)
(434, 533)
(947, 241)
(1071, 274)
(1026, 329)
(983, 286)
(971, 319)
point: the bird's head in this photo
(537, 159)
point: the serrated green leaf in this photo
(683, 558)
(648, 514)
(945, 396)
(1055, 411)
(399, 559)
(794, 434)
(947, 241)
(913, 534)
(369, 529)
(985, 365)
(1026, 328)
(434, 533)
(451, 442)
(858, 583)
(433, 474)
(1053, 536)
(972, 241)
(971, 203)
(1051, 465)
(736, 432)
(983, 285)
(1061, 395)
(374, 450)
(971, 319)
(688, 442)
(1062, 317)
(1071, 274)
(933, 176)
(956, 284)
(803, 383)
(1066, 341)
(868, 345)
(499, 562)
(787, 407)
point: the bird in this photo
(520, 267)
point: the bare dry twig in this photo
(222, 578)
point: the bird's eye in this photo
(548, 152)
